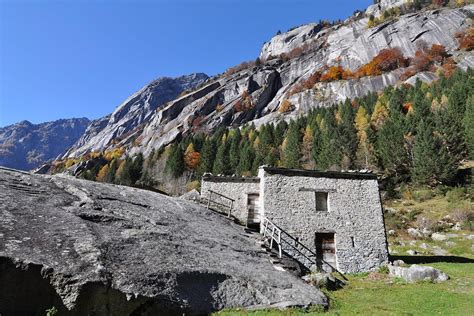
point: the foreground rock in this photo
(90, 248)
(417, 273)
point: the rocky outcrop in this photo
(26, 146)
(378, 8)
(254, 95)
(133, 113)
(90, 248)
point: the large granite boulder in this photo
(90, 248)
(417, 273)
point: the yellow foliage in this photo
(102, 173)
(70, 162)
(286, 106)
(115, 153)
(379, 116)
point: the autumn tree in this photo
(191, 157)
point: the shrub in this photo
(245, 103)
(466, 39)
(463, 216)
(286, 106)
(422, 195)
(456, 194)
(437, 53)
(421, 62)
(383, 269)
(412, 214)
(424, 223)
(239, 67)
(336, 73)
(386, 60)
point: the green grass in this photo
(385, 295)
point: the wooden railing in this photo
(292, 246)
(210, 202)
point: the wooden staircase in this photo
(286, 245)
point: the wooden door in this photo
(253, 207)
(326, 251)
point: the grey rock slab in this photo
(417, 273)
(114, 250)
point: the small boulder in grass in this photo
(417, 273)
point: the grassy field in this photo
(379, 294)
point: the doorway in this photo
(326, 251)
(254, 213)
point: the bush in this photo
(286, 106)
(383, 269)
(336, 73)
(239, 67)
(422, 195)
(466, 39)
(455, 195)
(386, 60)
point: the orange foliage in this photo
(421, 62)
(336, 73)
(437, 53)
(239, 67)
(286, 106)
(245, 103)
(386, 60)
(466, 39)
(191, 157)
(449, 67)
(408, 107)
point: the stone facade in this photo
(354, 213)
(237, 188)
(287, 198)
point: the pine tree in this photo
(391, 150)
(291, 149)
(221, 163)
(468, 123)
(175, 162)
(432, 164)
(113, 165)
(234, 150)
(208, 153)
(346, 140)
(247, 155)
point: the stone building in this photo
(333, 216)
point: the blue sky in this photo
(82, 58)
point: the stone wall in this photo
(233, 187)
(354, 211)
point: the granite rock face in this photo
(91, 248)
(26, 146)
(264, 87)
(132, 113)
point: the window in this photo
(321, 201)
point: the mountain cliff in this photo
(132, 113)
(256, 91)
(25, 145)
